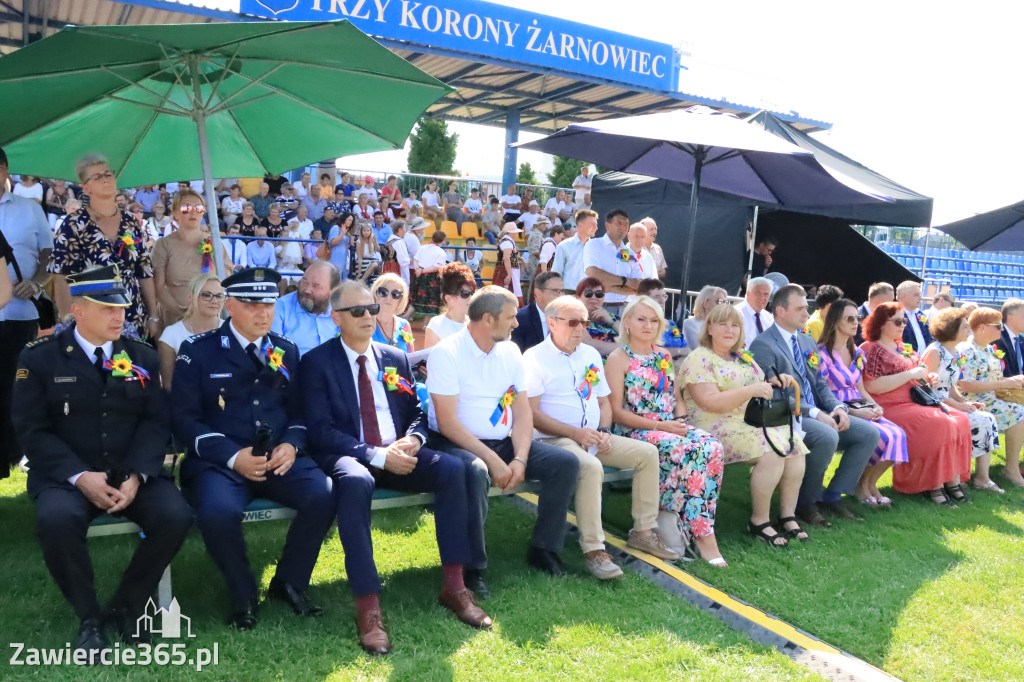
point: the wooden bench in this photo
(261, 509)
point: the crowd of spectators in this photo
(549, 381)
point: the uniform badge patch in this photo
(21, 375)
(224, 343)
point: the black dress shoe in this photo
(244, 618)
(545, 560)
(839, 510)
(474, 579)
(126, 626)
(300, 603)
(91, 639)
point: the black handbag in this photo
(45, 308)
(923, 394)
(858, 404)
(774, 411)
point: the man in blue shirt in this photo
(314, 202)
(381, 229)
(260, 251)
(303, 316)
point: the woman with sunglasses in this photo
(841, 364)
(602, 328)
(938, 441)
(982, 376)
(180, 256)
(457, 286)
(391, 292)
(708, 297)
(206, 300)
(104, 234)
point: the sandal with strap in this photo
(956, 493)
(758, 531)
(938, 496)
(794, 533)
(991, 486)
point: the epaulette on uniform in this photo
(202, 335)
(40, 341)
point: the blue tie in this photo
(1020, 360)
(798, 360)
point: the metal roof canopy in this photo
(547, 99)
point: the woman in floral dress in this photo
(949, 328)
(646, 405)
(718, 379)
(983, 376)
(841, 365)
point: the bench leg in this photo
(164, 594)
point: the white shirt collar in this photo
(353, 356)
(543, 319)
(786, 336)
(90, 349)
(242, 341)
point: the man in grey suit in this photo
(826, 421)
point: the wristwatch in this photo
(603, 429)
(624, 280)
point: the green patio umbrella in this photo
(176, 102)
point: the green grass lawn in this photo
(925, 593)
(546, 629)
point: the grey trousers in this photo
(856, 443)
(557, 471)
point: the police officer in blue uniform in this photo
(234, 388)
(93, 420)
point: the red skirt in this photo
(391, 266)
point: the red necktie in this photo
(367, 409)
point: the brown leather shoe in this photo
(372, 635)
(809, 513)
(465, 609)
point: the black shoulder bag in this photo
(775, 411)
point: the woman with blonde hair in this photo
(718, 379)
(206, 301)
(392, 293)
(647, 405)
(709, 297)
(182, 255)
(367, 258)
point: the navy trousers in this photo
(435, 472)
(219, 498)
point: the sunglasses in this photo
(574, 322)
(852, 318)
(383, 292)
(106, 175)
(720, 301)
(591, 293)
(898, 321)
(208, 296)
(189, 208)
(360, 310)
(465, 293)
(997, 325)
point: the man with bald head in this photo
(637, 237)
(659, 256)
(915, 332)
(303, 315)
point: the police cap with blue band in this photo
(253, 285)
(101, 285)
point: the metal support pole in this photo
(924, 261)
(511, 163)
(753, 243)
(698, 164)
(199, 116)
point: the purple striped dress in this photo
(843, 380)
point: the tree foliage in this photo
(432, 149)
(526, 174)
(565, 171)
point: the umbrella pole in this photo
(199, 116)
(698, 159)
(924, 261)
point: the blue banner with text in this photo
(490, 30)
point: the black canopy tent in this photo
(814, 249)
(998, 230)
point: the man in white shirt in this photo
(398, 243)
(530, 218)
(305, 224)
(474, 207)
(302, 189)
(369, 190)
(582, 185)
(479, 410)
(610, 260)
(236, 249)
(940, 302)
(556, 209)
(915, 332)
(569, 254)
(512, 205)
(261, 253)
(755, 318)
(569, 398)
(637, 237)
(660, 264)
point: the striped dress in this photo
(843, 381)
